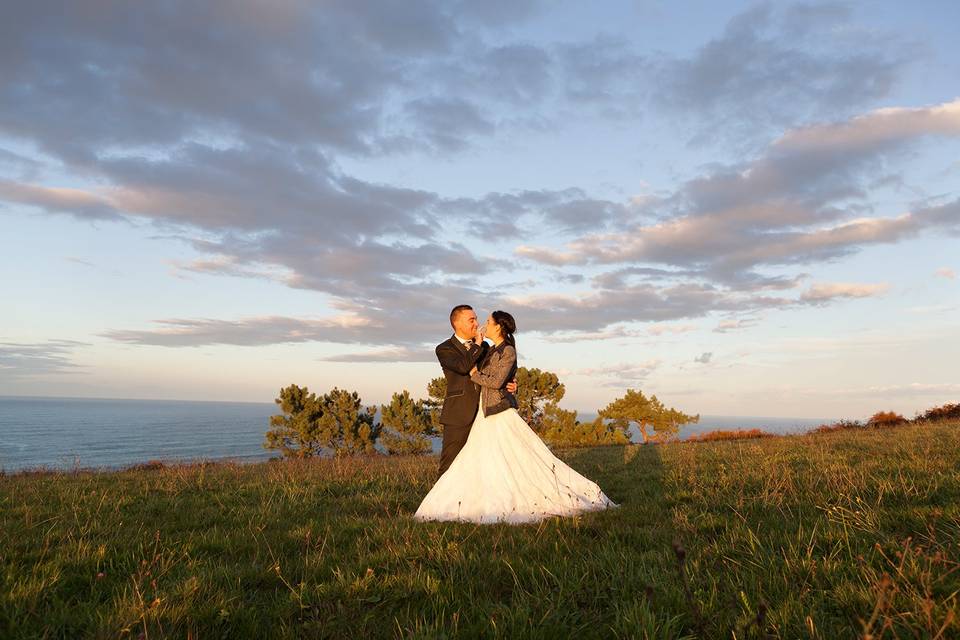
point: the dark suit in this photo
(463, 395)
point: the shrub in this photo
(839, 426)
(944, 412)
(886, 419)
(736, 434)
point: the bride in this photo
(505, 473)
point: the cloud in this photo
(704, 357)
(792, 205)
(821, 293)
(80, 261)
(725, 326)
(780, 210)
(317, 73)
(615, 332)
(447, 123)
(253, 170)
(590, 336)
(623, 374)
(946, 272)
(932, 309)
(911, 389)
(873, 131)
(259, 208)
(639, 303)
(223, 265)
(661, 329)
(78, 202)
(425, 353)
(251, 331)
(27, 360)
(779, 65)
(604, 73)
(15, 163)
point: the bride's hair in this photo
(507, 325)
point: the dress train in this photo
(505, 473)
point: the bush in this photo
(839, 426)
(945, 412)
(736, 434)
(886, 419)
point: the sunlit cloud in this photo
(398, 354)
(383, 161)
(820, 293)
(623, 374)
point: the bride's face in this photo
(493, 329)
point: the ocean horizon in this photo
(63, 433)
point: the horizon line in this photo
(579, 411)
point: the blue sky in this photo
(744, 208)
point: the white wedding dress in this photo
(505, 473)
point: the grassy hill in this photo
(837, 535)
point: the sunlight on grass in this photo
(832, 535)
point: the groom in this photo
(457, 356)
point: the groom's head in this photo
(463, 319)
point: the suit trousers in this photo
(453, 440)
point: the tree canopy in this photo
(535, 389)
(561, 428)
(337, 422)
(406, 425)
(647, 413)
(436, 392)
(310, 424)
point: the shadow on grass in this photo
(609, 573)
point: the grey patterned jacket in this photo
(498, 367)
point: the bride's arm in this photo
(496, 370)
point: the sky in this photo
(743, 208)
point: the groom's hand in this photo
(512, 386)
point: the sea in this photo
(82, 433)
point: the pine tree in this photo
(352, 428)
(311, 425)
(646, 413)
(561, 428)
(406, 425)
(536, 388)
(436, 392)
(297, 433)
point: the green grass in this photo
(838, 535)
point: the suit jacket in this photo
(463, 395)
(496, 369)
